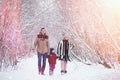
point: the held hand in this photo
(73, 44)
(58, 57)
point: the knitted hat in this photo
(51, 49)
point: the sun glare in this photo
(114, 5)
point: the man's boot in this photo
(39, 69)
(42, 71)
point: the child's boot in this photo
(50, 72)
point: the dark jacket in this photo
(63, 50)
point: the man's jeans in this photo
(42, 62)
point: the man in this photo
(42, 44)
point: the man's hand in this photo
(33, 49)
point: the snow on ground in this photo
(27, 70)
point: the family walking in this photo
(44, 51)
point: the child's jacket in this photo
(52, 58)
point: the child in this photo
(52, 61)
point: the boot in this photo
(39, 70)
(50, 72)
(42, 71)
(62, 72)
(65, 71)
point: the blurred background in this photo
(93, 26)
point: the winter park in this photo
(59, 39)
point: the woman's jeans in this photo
(41, 62)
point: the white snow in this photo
(27, 70)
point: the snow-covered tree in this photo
(12, 44)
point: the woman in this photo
(42, 44)
(63, 51)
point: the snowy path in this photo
(27, 70)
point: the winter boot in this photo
(65, 71)
(42, 71)
(50, 72)
(62, 72)
(39, 70)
